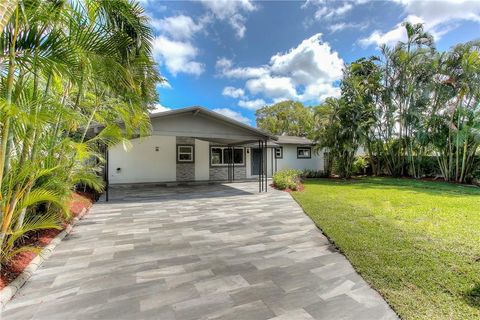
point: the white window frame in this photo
(191, 153)
(280, 149)
(223, 164)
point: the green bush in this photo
(307, 173)
(360, 165)
(287, 179)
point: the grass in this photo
(415, 242)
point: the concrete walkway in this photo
(202, 252)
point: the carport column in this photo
(233, 164)
(261, 164)
(106, 173)
(266, 165)
(259, 183)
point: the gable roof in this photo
(294, 140)
(204, 124)
(216, 115)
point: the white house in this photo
(196, 144)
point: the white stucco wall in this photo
(141, 163)
(248, 162)
(202, 155)
(290, 160)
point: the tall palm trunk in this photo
(10, 80)
(464, 160)
(30, 142)
(6, 127)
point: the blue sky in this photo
(237, 56)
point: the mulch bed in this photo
(300, 188)
(41, 239)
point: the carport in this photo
(214, 128)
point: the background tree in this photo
(360, 90)
(414, 109)
(287, 117)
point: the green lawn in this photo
(417, 243)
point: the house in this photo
(196, 144)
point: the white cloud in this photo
(224, 67)
(232, 114)
(272, 87)
(252, 104)
(308, 62)
(231, 11)
(331, 9)
(320, 12)
(160, 108)
(390, 38)
(174, 48)
(177, 56)
(334, 12)
(177, 27)
(307, 72)
(336, 27)
(312, 2)
(319, 91)
(438, 17)
(435, 13)
(224, 63)
(233, 92)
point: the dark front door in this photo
(256, 158)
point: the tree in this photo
(407, 70)
(286, 117)
(351, 117)
(360, 90)
(411, 108)
(64, 66)
(456, 131)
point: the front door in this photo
(256, 158)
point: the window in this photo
(222, 156)
(279, 153)
(184, 153)
(216, 156)
(304, 152)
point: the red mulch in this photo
(300, 188)
(41, 239)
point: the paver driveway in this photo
(203, 252)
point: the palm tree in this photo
(7, 8)
(69, 65)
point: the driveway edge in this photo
(7, 293)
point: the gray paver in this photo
(197, 252)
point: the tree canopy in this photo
(287, 118)
(415, 110)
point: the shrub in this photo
(307, 173)
(360, 165)
(287, 179)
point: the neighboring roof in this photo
(294, 140)
(196, 110)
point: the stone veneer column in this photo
(185, 171)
